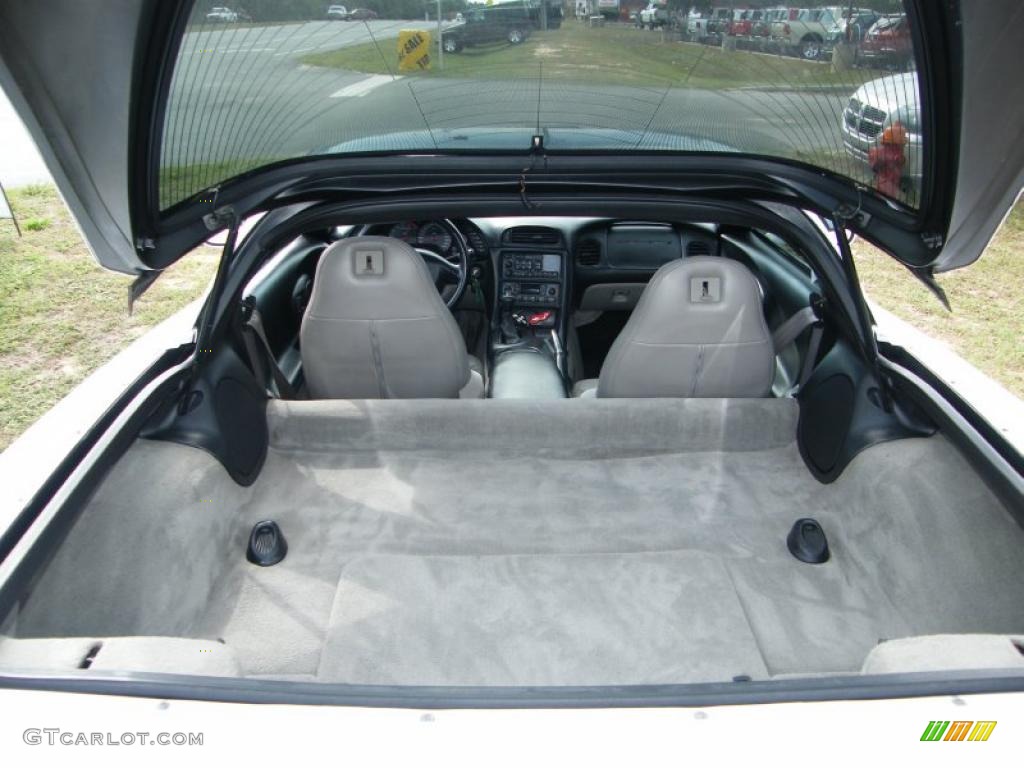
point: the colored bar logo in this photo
(958, 730)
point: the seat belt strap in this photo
(252, 331)
(253, 352)
(790, 330)
(817, 331)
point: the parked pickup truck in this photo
(743, 23)
(703, 29)
(807, 33)
(851, 29)
(652, 16)
(888, 42)
(720, 21)
(763, 27)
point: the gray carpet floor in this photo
(519, 543)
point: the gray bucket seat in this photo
(697, 331)
(375, 327)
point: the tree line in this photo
(882, 6)
(316, 10)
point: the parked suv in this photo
(888, 42)
(481, 26)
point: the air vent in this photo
(533, 236)
(698, 248)
(476, 241)
(588, 253)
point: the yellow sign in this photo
(413, 50)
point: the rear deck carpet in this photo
(566, 619)
(519, 543)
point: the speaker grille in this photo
(825, 418)
(243, 425)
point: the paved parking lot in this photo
(230, 76)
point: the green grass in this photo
(179, 183)
(614, 55)
(202, 25)
(62, 315)
(986, 326)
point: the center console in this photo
(531, 293)
(532, 280)
(526, 341)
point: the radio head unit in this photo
(542, 266)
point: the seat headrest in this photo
(373, 278)
(697, 331)
(376, 327)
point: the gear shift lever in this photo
(511, 322)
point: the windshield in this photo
(280, 80)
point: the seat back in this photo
(375, 326)
(697, 331)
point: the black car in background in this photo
(361, 14)
(492, 25)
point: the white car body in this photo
(850, 732)
(844, 719)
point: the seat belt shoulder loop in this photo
(813, 317)
(252, 330)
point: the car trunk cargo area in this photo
(566, 542)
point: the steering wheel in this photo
(450, 277)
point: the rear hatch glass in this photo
(283, 81)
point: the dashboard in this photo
(428, 234)
(532, 273)
(598, 245)
(562, 263)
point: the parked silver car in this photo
(877, 105)
(220, 13)
(337, 13)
